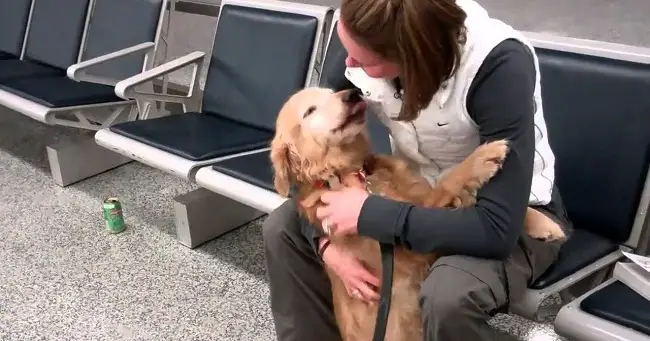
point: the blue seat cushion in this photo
(15, 69)
(5, 55)
(60, 92)
(255, 169)
(196, 136)
(619, 304)
(575, 256)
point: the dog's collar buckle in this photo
(363, 177)
(361, 174)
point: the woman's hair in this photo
(423, 37)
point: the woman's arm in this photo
(501, 102)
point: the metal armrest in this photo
(634, 276)
(127, 88)
(78, 73)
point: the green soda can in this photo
(112, 209)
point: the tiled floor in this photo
(63, 277)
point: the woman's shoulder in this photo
(509, 65)
(511, 47)
(503, 66)
(508, 55)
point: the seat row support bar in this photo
(73, 161)
(202, 215)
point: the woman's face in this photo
(370, 62)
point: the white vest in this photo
(443, 135)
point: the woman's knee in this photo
(281, 225)
(458, 287)
(442, 301)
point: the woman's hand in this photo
(358, 281)
(341, 211)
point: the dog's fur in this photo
(320, 135)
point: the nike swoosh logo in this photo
(442, 124)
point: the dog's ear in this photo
(281, 166)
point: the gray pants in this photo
(457, 298)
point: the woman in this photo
(443, 77)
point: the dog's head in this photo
(318, 132)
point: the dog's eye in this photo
(309, 111)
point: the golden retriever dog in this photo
(321, 137)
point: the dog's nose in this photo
(352, 96)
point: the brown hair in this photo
(423, 37)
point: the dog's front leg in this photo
(462, 182)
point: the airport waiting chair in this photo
(74, 52)
(14, 15)
(249, 179)
(263, 51)
(46, 54)
(616, 310)
(52, 86)
(598, 120)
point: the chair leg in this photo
(202, 215)
(71, 162)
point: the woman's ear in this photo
(281, 166)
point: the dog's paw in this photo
(541, 227)
(547, 234)
(489, 159)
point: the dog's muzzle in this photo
(352, 96)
